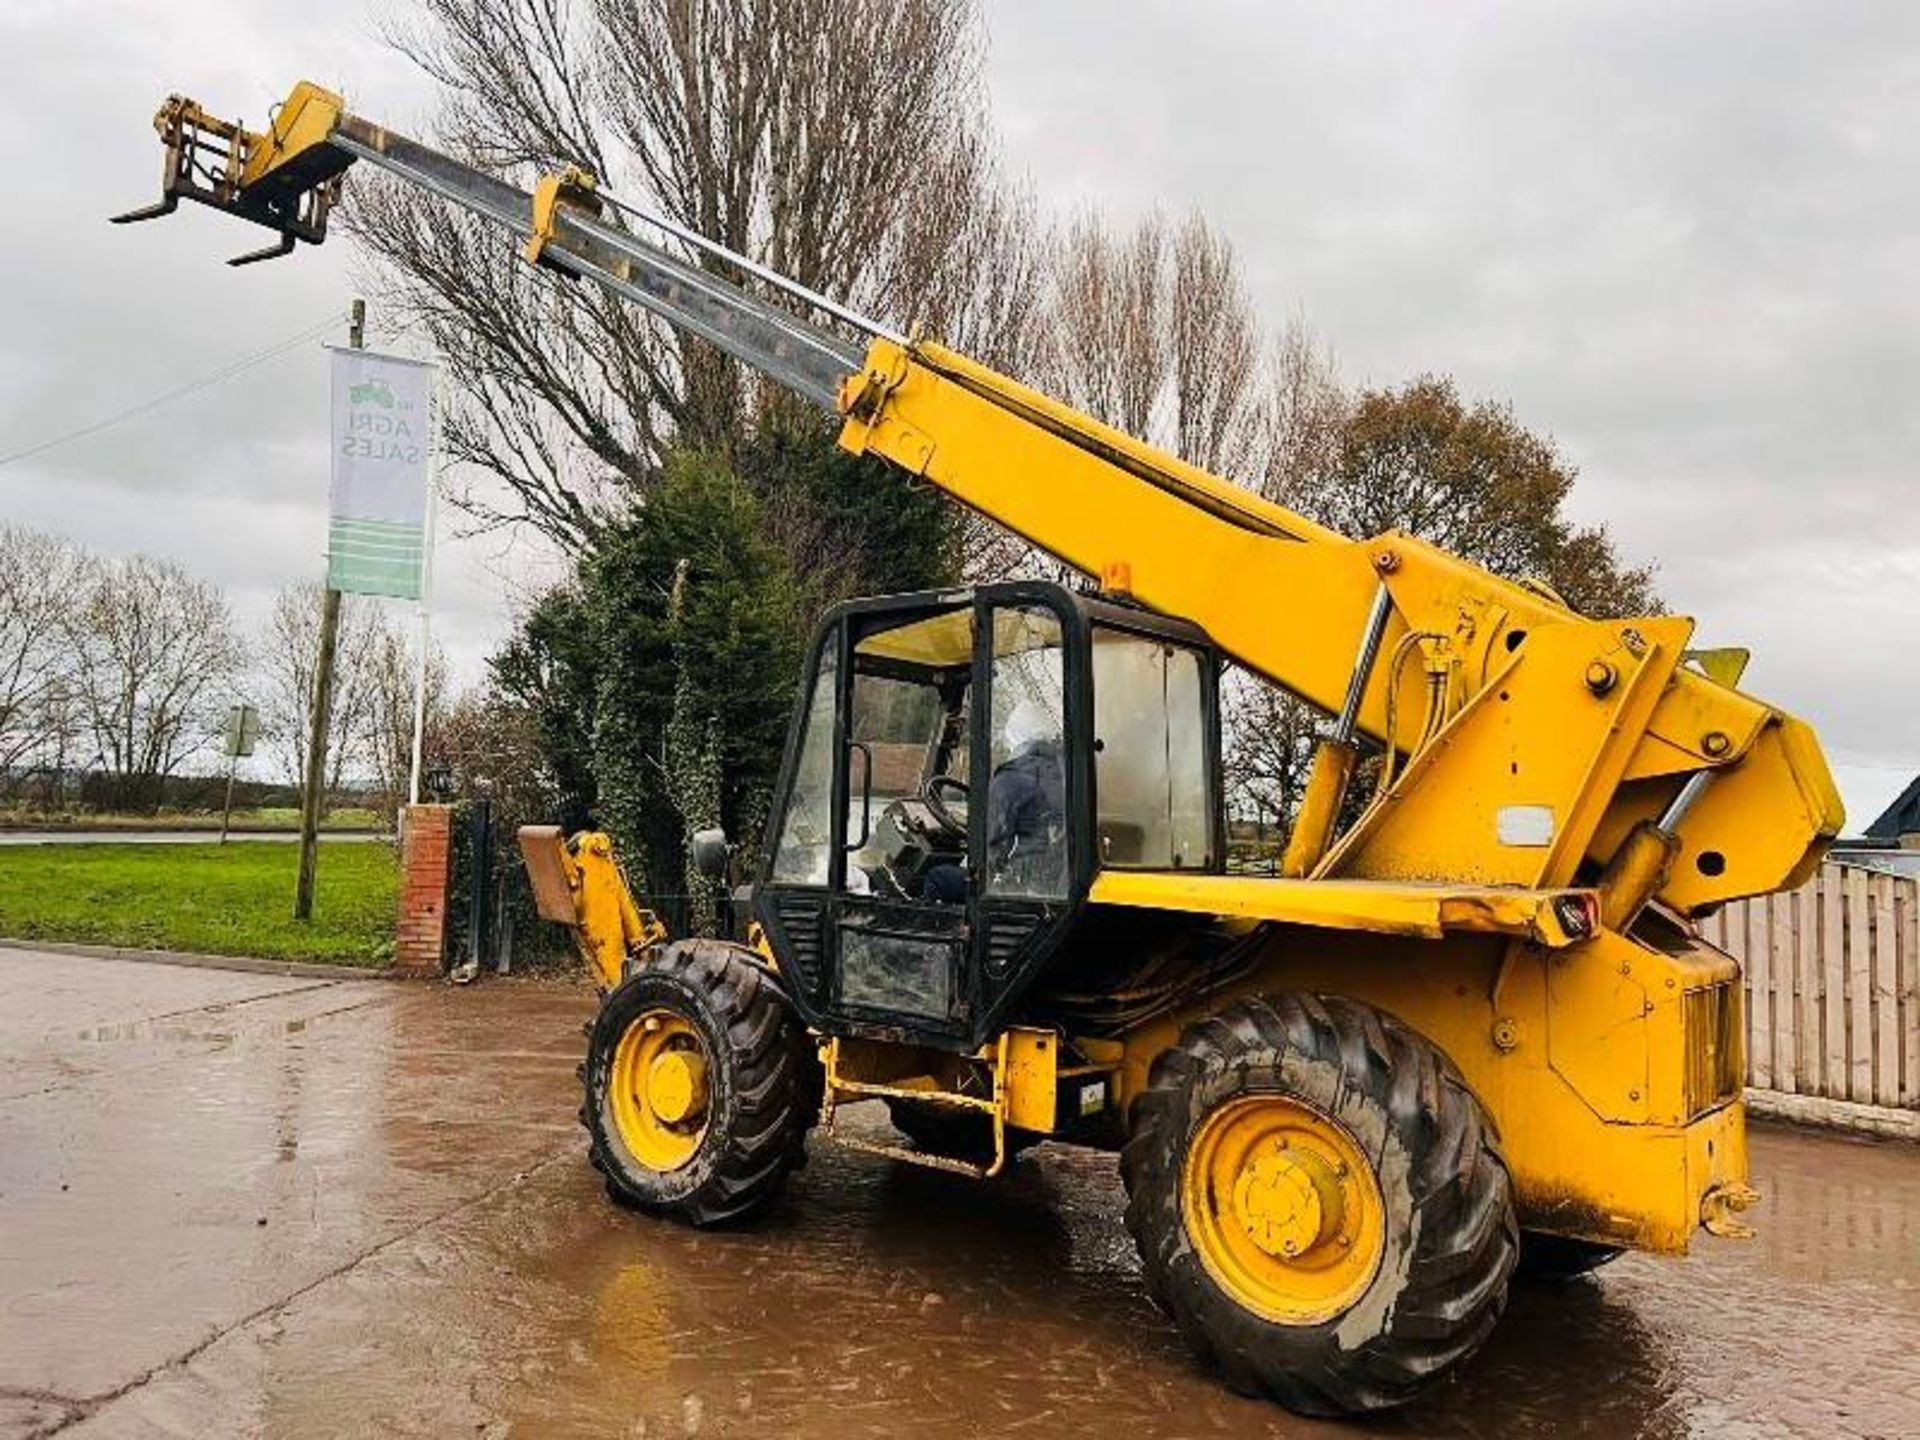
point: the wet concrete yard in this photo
(235, 1204)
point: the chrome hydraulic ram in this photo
(806, 358)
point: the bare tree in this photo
(1307, 411)
(1150, 330)
(156, 654)
(288, 659)
(1155, 334)
(850, 155)
(1267, 746)
(1219, 418)
(483, 737)
(980, 289)
(38, 575)
(1268, 739)
(387, 722)
(1108, 310)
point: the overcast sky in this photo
(1683, 239)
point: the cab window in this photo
(806, 835)
(1150, 753)
(1026, 813)
(906, 775)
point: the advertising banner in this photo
(382, 438)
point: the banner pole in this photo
(425, 636)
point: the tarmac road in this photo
(236, 1204)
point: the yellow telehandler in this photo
(1472, 1029)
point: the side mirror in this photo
(711, 853)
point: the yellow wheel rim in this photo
(657, 1090)
(1283, 1208)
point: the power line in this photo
(225, 372)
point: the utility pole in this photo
(316, 776)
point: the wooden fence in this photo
(1832, 987)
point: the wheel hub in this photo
(677, 1086)
(657, 1091)
(1287, 1200)
(1283, 1208)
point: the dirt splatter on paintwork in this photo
(436, 1258)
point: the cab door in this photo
(791, 902)
(977, 699)
(873, 939)
(901, 909)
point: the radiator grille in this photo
(1716, 1046)
(1007, 936)
(800, 917)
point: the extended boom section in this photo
(1525, 744)
(1535, 742)
(287, 179)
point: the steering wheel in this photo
(930, 792)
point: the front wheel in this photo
(696, 1085)
(1320, 1202)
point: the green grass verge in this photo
(215, 899)
(263, 817)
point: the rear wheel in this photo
(1320, 1203)
(696, 1085)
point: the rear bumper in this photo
(1642, 1187)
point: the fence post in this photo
(1833, 970)
(1908, 1008)
(1753, 950)
(1885, 1032)
(479, 876)
(1859, 920)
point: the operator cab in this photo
(960, 766)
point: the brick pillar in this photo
(426, 873)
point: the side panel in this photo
(901, 963)
(1537, 745)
